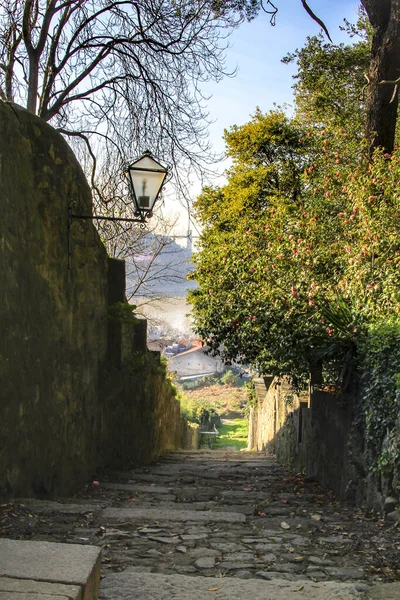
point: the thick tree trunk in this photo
(384, 16)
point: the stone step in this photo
(131, 487)
(70, 571)
(47, 507)
(130, 585)
(177, 515)
(217, 457)
(28, 589)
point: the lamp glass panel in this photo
(146, 185)
(147, 176)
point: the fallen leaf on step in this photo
(215, 589)
(285, 525)
(316, 517)
(300, 589)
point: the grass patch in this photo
(233, 434)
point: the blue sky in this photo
(256, 50)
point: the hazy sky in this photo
(262, 79)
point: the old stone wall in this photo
(78, 389)
(316, 433)
(190, 435)
(276, 404)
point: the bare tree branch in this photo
(85, 138)
(316, 19)
(273, 11)
(130, 70)
(371, 81)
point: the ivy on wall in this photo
(380, 401)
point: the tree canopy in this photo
(299, 252)
(329, 83)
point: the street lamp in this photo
(146, 177)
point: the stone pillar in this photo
(116, 293)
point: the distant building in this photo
(173, 349)
(194, 363)
(158, 344)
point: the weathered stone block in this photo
(67, 564)
(153, 586)
(28, 589)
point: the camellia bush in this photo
(300, 250)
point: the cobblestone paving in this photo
(216, 514)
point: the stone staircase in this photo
(215, 525)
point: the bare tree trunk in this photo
(382, 106)
(28, 22)
(33, 84)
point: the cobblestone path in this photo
(218, 525)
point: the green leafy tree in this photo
(330, 81)
(384, 67)
(300, 249)
(245, 285)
